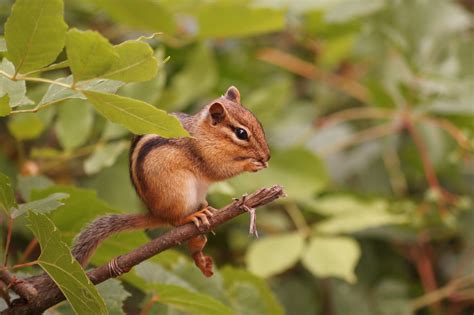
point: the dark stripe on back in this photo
(135, 141)
(194, 153)
(145, 149)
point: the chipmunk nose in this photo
(264, 161)
(266, 158)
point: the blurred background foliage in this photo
(368, 109)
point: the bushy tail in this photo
(101, 228)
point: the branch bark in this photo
(49, 293)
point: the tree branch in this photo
(51, 295)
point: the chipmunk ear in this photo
(233, 94)
(217, 113)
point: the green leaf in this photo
(301, 172)
(3, 45)
(26, 184)
(354, 222)
(114, 295)
(90, 54)
(284, 249)
(56, 92)
(46, 153)
(7, 198)
(74, 123)
(146, 15)
(351, 214)
(249, 294)
(386, 297)
(235, 20)
(347, 10)
(5, 108)
(332, 257)
(113, 131)
(45, 205)
(342, 204)
(178, 291)
(184, 299)
(137, 116)
(54, 66)
(136, 63)
(16, 90)
(25, 126)
(336, 50)
(213, 286)
(35, 33)
(113, 184)
(151, 90)
(57, 261)
(154, 273)
(269, 101)
(200, 67)
(104, 156)
(392, 297)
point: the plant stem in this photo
(355, 113)
(362, 136)
(33, 79)
(451, 129)
(38, 107)
(9, 238)
(297, 217)
(310, 71)
(29, 249)
(28, 264)
(428, 167)
(147, 308)
(442, 293)
(425, 270)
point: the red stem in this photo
(9, 238)
(428, 167)
(421, 256)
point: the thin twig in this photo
(424, 267)
(33, 79)
(362, 136)
(355, 114)
(451, 129)
(29, 249)
(437, 295)
(297, 217)
(428, 167)
(310, 71)
(8, 241)
(147, 308)
(23, 265)
(38, 107)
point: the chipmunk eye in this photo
(241, 134)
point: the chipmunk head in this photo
(234, 135)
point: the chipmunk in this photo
(172, 176)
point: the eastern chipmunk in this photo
(172, 176)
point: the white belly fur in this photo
(196, 190)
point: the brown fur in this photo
(171, 176)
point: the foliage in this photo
(367, 107)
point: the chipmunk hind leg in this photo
(203, 262)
